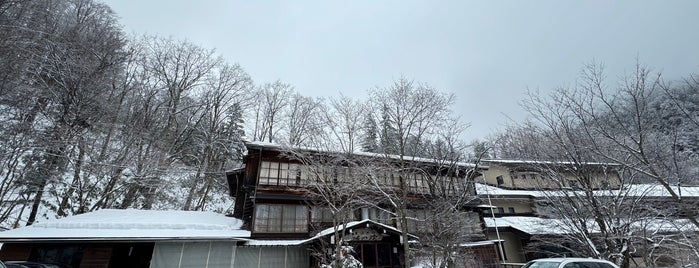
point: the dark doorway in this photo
(377, 255)
(132, 255)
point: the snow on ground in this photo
(129, 224)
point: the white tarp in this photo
(226, 254)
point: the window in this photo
(270, 218)
(375, 214)
(324, 214)
(573, 184)
(321, 214)
(585, 264)
(418, 221)
(279, 174)
(388, 178)
(416, 183)
(67, 255)
(456, 184)
(511, 210)
(501, 181)
(501, 210)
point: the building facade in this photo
(537, 207)
(294, 193)
(523, 175)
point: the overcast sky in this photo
(487, 53)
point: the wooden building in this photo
(275, 197)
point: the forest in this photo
(95, 118)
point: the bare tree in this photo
(449, 219)
(176, 71)
(272, 99)
(94, 120)
(332, 173)
(303, 120)
(592, 122)
(78, 51)
(217, 138)
(413, 112)
(618, 126)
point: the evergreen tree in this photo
(389, 134)
(370, 134)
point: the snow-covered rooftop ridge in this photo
(145, 219)
(540, 162)
(641, 190)
(360, 153)
(352, 224)
(116, 224)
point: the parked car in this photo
(29, 264)
(2, 265)
(569, 263)
(15, 265)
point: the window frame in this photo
(278, 218)
(275, 173)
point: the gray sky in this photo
(487, 53)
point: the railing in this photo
(511, 265)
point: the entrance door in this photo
(376, 255)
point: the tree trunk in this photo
(63, 206)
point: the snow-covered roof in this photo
(529, 225)
(131, 224)
(538, 162)
(656, 190)
(484, 189)
(479, 243)
(640, 190)
(353, 224)
(276, 242)
(360, 153)
(541, 226)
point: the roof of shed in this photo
(132, 225)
